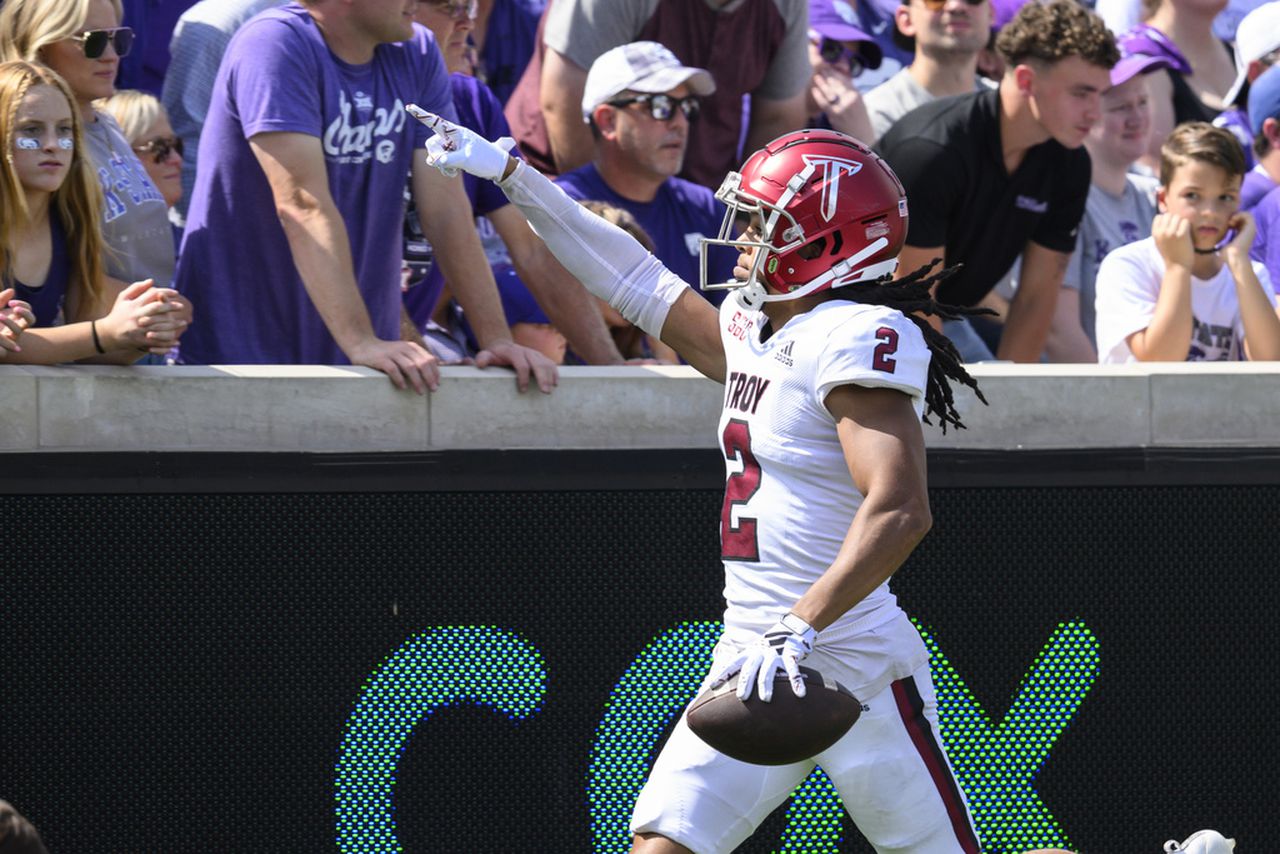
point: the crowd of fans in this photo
(237, 181)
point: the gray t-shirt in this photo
(135, 220)
(893, 99)
(896, 97)
(1109, 222)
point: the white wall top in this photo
(345, 409)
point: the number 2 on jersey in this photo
(882, 357)
(738, 542)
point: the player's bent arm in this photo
(912, 258)
(295, 168)
(883, 446)
(568, 305)
(563, 82)
(613, 266)
(1031, 310)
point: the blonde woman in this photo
(51, 247)
(146, 126)
(83, 41)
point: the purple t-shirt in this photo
(679, 215)
(278, 75)
(509, 43)
(479, 110)
(1266, 246)
(1257, 183)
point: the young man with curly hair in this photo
(1002, 174)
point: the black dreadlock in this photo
(911, 296)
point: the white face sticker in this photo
(66, 143)
(26, 143)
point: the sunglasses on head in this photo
(663, 107)
(833, 51)
(160, 147)
(456, 8)
(936, 5)
(95, 42)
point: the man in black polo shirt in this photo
(1002, 173)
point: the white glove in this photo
(455, 148)
(782, 647)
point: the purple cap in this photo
(836, 19)
(1264, 98)
(1132, 64)
(1145, 40)
(1003, 11)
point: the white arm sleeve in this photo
(608, 261)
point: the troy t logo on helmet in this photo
(832, 168)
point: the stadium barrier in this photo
(266, 609)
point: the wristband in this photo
(97, 342)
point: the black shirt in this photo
(960, 195)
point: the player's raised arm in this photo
(607, 260)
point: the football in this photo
(787, 729)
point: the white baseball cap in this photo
(646, 67)
(1257, 35)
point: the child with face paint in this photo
(56, 302)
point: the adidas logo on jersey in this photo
(784, 355)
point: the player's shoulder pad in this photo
(874, 346)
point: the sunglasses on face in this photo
(937, 5)
(456, 8)
(663, 107)
(95, 42)
(833, 52)
(160, 147)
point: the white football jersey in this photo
(789, 497)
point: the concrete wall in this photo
(273, 408)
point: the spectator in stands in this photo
(641, 104)
(1190, 291)
(1264, 117)
(51, 246)
(516, 255)
(199, 41)
(504, 37)
(632, 341)
(1120, 208)
(1266, 246)
(17, 835)
(1264, 110)
(946, 36)
(152, 22)
(999, 174)
(756, 47)
(307, 143)
(838, 53)
(1201, 71)
(1257, 49)
(82, 40)
(142, 118)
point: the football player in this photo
(827, 370)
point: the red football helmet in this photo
(803, 186)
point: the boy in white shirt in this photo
(1190, 292)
